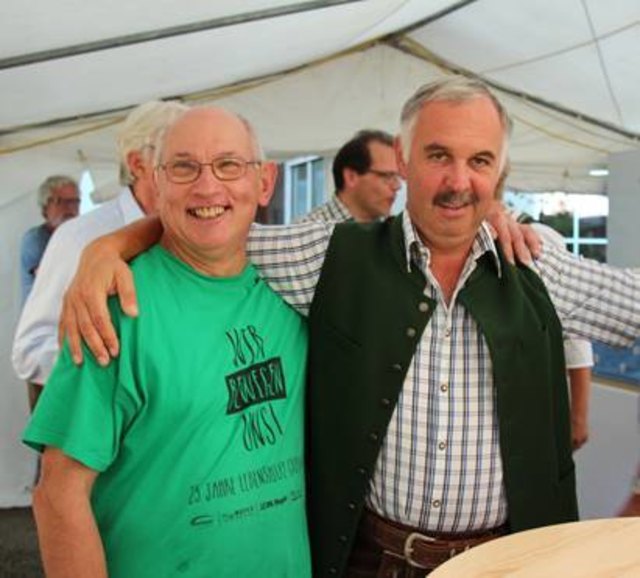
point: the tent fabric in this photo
(308, 75)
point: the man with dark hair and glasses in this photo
(366, 178)
(185, 457)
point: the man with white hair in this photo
(35, 345)
(59, 200)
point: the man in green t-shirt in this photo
(184, 457)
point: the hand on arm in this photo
(517, 240)
(102, 271)
(70, 543)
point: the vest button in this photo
(385, 401)
(343, 538)
(396, 367)
(423, 307)
(361, 471)
(411, 332)
(373, 436)
(351, 506)
(333, 571)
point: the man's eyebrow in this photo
(434, 146)
(222, 154)
(437, 147)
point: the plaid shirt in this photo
(440, 467)
(333, 211)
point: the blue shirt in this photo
(34, 242)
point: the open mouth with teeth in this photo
(207, 212)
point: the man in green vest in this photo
(437, 401)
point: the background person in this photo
(366, 179)
(59, 200)
(35, 345)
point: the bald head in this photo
(210, 181)
(215, 118)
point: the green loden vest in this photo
(366, 319)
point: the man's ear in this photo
(350, 178)
(402, 165)
(135, 163)
(268, 176)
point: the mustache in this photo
(450, 198)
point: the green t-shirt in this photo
(196, 428)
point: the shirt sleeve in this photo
(29, 257)
(594, 301)
(35, 345)
(578, 353)
(83, 411)
(290, 259)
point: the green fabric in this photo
(368, 314)
(196, 428)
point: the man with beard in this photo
(438, 409)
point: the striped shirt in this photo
(334, 210)
(440, 468)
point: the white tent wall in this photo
(16, 462)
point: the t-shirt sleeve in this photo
(83, 411)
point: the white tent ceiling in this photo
(309, 74)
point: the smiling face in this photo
(452, 171)
(206, 222)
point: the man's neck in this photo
(222, 263)
(447, 263)
(354, 209)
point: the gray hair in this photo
(50, 184)
(253, 135)
(455, 89)
(140, 129)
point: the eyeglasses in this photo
(58, 201)
(389, 177)
(183, 171)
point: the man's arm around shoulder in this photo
(70, 543)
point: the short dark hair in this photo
(355, 154)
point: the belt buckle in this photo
(408, 547)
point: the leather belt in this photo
(417, 549)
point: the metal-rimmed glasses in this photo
(389, 177)
(183, 171)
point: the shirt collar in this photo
(483, 243)
(337, 207)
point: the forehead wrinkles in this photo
(468, 128)
(206, 135)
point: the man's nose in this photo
(207, 178)
(458, 177)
